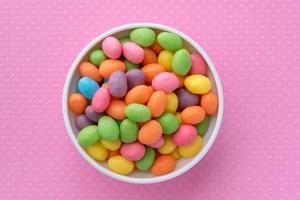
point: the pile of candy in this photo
(142, 101)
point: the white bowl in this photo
(182, 165)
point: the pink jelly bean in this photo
(133, 151)
(198, 64)
(159, 143)
(101, 100)
(133, 52)
(184, 135)
(112, 47)
(165, 81)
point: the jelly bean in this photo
(130, 65)
(144, 37)
(181, 62)
(87, 87)
(101, 100)
(169, 41)
(113, 153)
(163, 165)
(152, 70)
(89, 135)
(149, 56)
(192, 149)
(175, 154)
(181, 80)
(146, 162)
(168, 146)
(81, 121)
(133, 151)
(116, 109)
(178, 116)
(108, 129)
(150, 132)
(165, 81)
(203, 126)
(168, 122)
(156, 47)
(128, 131)
(133, 52)
(197, 84)
(92, 115)
(135, 77)
(112, 47)
(137, 112)
(165, 59)
(186, 98)
(198, 64)
(107, 67)
(125, 39)
(77, 103)
(97, 56)
(89, 70)
(111, 145)
(139, 94)
(157, 103)
(209, 102)
(97, 151)
(184, 135)
(172, 103)
(192, 115)
(159, 143)
(120, 165)
(117, 84)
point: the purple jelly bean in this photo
(186, 98)
(135, 77)
(117, 84)
(81, 121)
(92, 115)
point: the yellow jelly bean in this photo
(191, 149)
(165, 59)
(178, 115)
(111, 145)
(120, 165)
(175, 154)
(172, 102)
(197, 84)
(168, 146)
(97, 151)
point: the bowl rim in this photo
(130, 179)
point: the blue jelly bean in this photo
(87, 87)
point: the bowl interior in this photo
(71, 87)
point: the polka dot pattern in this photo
(255, 46)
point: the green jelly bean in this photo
(125, 39)
(144, 37)
(97, 56)
(137, 112)
(146, 162)
(108, 129)
(128, 131)
(168, 122)
(169, 41)
(181, 62)
(203, 126)
(130, 65)
(89, 135)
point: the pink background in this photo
(255, 46)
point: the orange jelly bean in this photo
(163, 165)
(77, 103)
(152, 70)
(109, 66)
(157, 103)
(209, 103)
(90, 70)
(114, 153)
(139, 94)
(150, 132)
(156, 47)
(116, 109)
(192, 115)
(149, 56)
